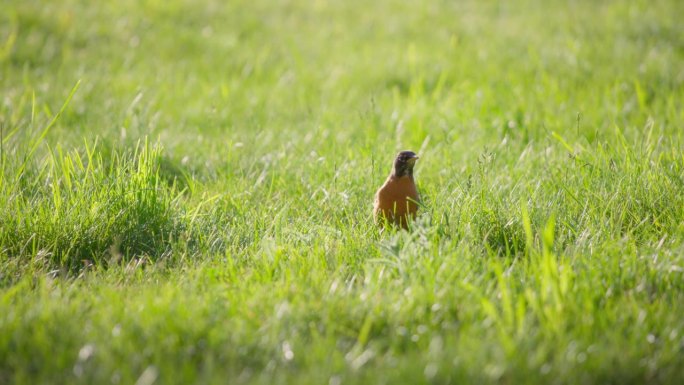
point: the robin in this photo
(397, 200)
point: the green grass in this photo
(186, 192)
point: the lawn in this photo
(186, 192)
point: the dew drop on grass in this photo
(673, 334)
(86, 352)
(288, 354)
(148, 376)
(494, 371)
(430, 371)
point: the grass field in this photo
(186, 191)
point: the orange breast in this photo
(395, 201)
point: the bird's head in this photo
(403, 164)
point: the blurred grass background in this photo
(186, 192)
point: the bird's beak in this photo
(413, 160)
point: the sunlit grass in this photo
(186, 192)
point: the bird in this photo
(396, 202)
